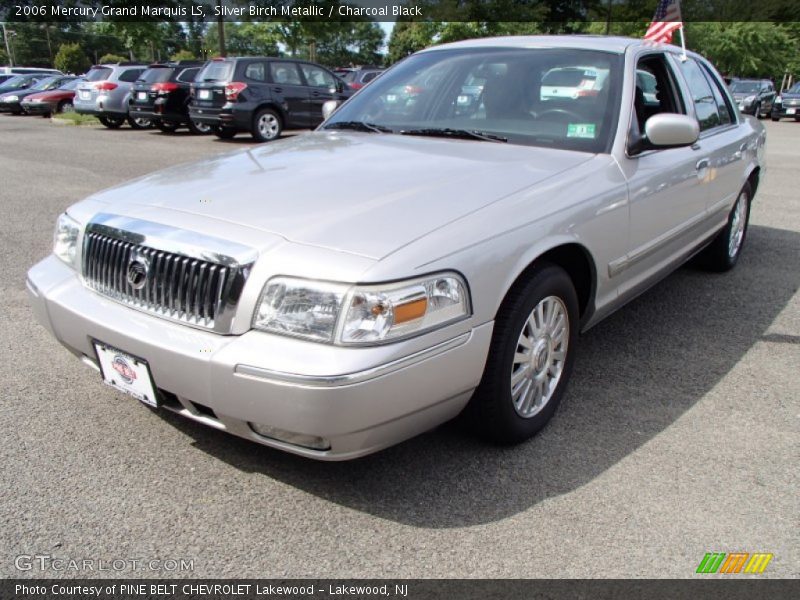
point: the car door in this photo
(289, 91)
(667, 187)
(322, 86)
(723, 141)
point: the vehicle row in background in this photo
(787, 105)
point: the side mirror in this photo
(329, 108)
(669, 130)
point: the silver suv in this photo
(106, 94)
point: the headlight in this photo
(10, 98)
(778, 100)
(750, 99)
(352, 315)
(65, 243)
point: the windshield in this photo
(744, 87)
(98, 74)
(216, 70)
(156, 75)
(72, 84)
(795, 89)
(15, 82)
(503, 93)
(45, 84)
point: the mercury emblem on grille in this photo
(138, 269)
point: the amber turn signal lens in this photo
(410, 311)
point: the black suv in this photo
(162, 94)
(754, 96)
(262, 95)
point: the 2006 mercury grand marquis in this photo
(512, 192)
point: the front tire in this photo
(112, 122)
(723, 253)
(530, 358)
(267, 125)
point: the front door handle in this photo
(702, 164)
(278, 90)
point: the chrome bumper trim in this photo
(351, 378)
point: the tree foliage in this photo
(72, 59)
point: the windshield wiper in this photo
(467, 134)
(360, 126)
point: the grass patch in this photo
(72, 118)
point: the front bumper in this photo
(368, 403)
(38, 108)
(781, 111)
(10, 107)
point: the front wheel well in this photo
(577, 262)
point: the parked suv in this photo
(162, 94)
(358, 78)
(787, 104)
(754, 96)
(106, 94)
(262, 95)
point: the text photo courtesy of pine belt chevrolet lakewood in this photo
(253, 293)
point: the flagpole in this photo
(683, 45)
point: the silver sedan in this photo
(512, 192)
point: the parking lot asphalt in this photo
(678, 435)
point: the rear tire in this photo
(530, 358)
(65, 106)
(139, 123)
(199, 128)
(723, 253)
(776, 118)
(267, 125)
(224, 133)
(166, 127)
(111, 122)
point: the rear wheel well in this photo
(578, 264)
(275, 108)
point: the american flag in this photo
(666, 20)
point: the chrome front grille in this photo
(197, 288)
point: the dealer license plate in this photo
(85, 95)
(790, 111)
(142, 95)
(126, 373)
(204, 94)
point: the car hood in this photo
(366, 194)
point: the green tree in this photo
(182, 55)
(72, 59)
(112, 58)
(410, 36)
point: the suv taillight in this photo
(233, 89)
(105, 86)
(164, 88)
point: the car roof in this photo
(604, 43)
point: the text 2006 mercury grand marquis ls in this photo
(512, 192)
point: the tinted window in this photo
(188, 75)
(370, 76)
(317, 77)
(744, 87)
(131, 75)
(285, 73)
(98, 74)
(216, 70)
(256, 71)
(495, 91)
(704, 103)
(155, 75)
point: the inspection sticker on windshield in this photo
(581, 130)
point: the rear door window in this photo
(317, 77)
(285, 73)
(256, 71)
